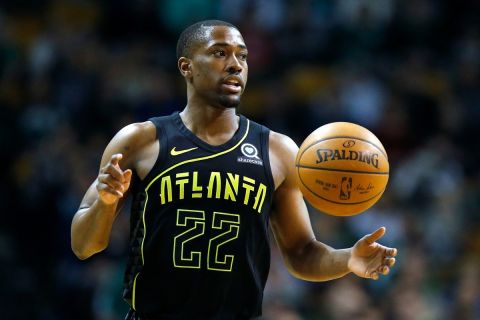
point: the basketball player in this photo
(207, 184)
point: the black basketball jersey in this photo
(199, 226)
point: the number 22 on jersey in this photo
(193, 222)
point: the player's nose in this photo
(234, 66)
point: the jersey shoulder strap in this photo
(263, 133)
(163, 125)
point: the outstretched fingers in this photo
(112, 168)
(371, 259)
(373, 275)
(391, 252)
(384, 270)
(387, 263)
(113, 181)
(104, 187)
(127, 174)
(374, 236)
(115, 158)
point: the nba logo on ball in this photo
(342, 169)
(345, 188)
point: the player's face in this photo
(219, 67)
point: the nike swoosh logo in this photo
(175, 152)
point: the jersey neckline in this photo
(202, 144)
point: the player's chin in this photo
(229, 101)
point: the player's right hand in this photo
(112, 181)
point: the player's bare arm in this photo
(133, 149)
(305, 257)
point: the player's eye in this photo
(219, 53)
(243, 56)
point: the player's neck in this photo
(213, 125)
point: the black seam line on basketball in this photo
(346, 137)
(342, 203)
(341, 170)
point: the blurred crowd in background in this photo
(72, 73)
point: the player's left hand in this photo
(369, 259)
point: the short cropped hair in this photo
(193, 34)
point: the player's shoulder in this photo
(130, 141)
(133, 137)
(283, 151)
(282, 143)
(138, 132)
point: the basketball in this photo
(342, 169)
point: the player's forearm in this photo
(91, 229)
(319, 262)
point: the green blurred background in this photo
(72, 73)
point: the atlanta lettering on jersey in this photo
(219, 185)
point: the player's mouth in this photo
(232, 84)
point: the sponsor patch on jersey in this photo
(250, 154)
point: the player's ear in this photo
(185, 67)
